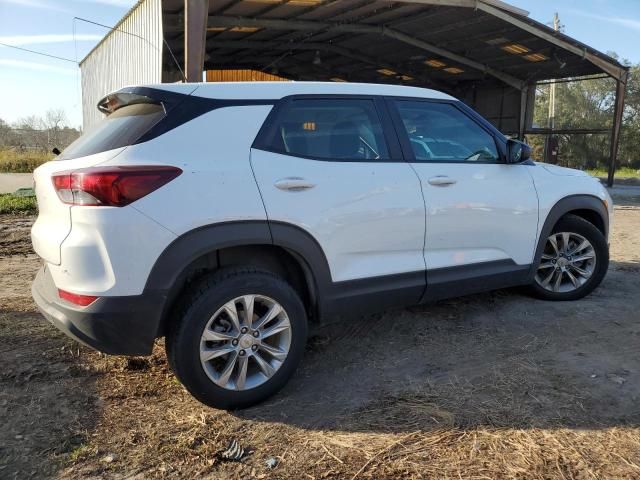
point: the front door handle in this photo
(294, 184)
(441, 180)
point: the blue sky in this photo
(32, 84)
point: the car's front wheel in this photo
(574, 261)
(239, 337)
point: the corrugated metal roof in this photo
(462, 27)
(341, 33)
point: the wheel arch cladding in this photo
(593, 217)
(588, 207)
(232, 243)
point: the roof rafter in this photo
(469, 3)
(613, 70)
(305, 25)
(327, 47)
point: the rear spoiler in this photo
(114, 101)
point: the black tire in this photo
(575, 224)
(202, 300)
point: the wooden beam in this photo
(305, 25)
(195, 33)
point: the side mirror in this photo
(517, 151)
(55, 151)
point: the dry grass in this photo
(154, 427)
(622, 172)
(14, 161)
(503, 387)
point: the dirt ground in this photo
(496, 385)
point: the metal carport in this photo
(486, 52)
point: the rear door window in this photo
(119, 129)
(330, 129)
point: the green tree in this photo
(589, 104)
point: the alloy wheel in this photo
(245, 342)
(568, 262)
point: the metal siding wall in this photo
(499, 105)
(122, 59)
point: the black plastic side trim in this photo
(194, 244)
(375, 294)
(475, 278)
(113, 325)
(353, 296)
(564, 206)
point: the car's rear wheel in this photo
(239, 337)
(574, 261)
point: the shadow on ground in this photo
(499, 359)
(48, 402)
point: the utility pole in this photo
(551, 144)
(552, 90)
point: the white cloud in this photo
(117, 3)
(53, 5)
(47, 5)
(41, 67)
(626, 22)
(19, 40)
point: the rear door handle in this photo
(294, 184)
(441, 180)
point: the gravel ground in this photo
(497, 385)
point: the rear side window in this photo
(119, 129)
(330, 129)
(439, 132)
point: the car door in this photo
(481, 212)
(328, 166)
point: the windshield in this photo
(119, 129)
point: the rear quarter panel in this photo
(54, 217)
(217, 183)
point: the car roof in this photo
(277, 90)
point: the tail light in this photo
(81, 300)
(111, 186)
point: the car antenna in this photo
(164, 40)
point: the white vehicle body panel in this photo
(490, 213)
(217, 183)
(368, 217)
(109, 252)
(102, 254)
(54, 217)
(554, 183)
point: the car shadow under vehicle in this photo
(500, 359)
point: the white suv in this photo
(225, 217)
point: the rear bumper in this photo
(113, 325)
